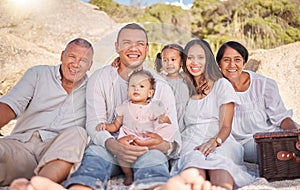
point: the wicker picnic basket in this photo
(278, 154)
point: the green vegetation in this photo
(119, 13)
(255, 23)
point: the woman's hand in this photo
(208, 147)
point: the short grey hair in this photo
(81, 42)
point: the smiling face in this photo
(171, 61)
(196, 61)
(132, 47)
(231, 64)
(76, 61)
(140, 89)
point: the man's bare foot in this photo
(189, 179)
(36, 183)
(19, 184)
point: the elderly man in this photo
(49, 104)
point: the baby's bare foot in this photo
(128, 180)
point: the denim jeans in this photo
(99, 165)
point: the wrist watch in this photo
(218, 141)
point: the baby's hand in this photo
(101, 127)
(163, 119)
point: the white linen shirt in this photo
(261, 109)
(42, 104)
(105, 93)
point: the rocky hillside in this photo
(36, 33)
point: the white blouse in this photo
(260, 109)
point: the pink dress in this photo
(138, 119)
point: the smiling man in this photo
(107, 89)
(49, 104)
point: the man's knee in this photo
(151, 158)
(98, 155)
(75, 132)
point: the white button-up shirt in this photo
(42, 104)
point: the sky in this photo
(149, 2)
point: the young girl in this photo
(169, 61)
(139, 115)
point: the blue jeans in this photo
(99, 165)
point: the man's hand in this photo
(155, 142)
(124, 150)
(101, 127)
(203, 88)
(7, 114)
(116, 62)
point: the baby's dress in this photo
(138, 119)
(202, 123)
(181, 93)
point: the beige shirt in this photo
(42, 104)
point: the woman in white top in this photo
(207, 143)
(260, 107)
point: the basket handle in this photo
(285, 155)
(298, 142)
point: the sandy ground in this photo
(116, 183)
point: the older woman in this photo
(260, 107)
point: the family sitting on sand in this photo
(188, 125)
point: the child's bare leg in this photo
(127, 172)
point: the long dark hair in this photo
(211, 69)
